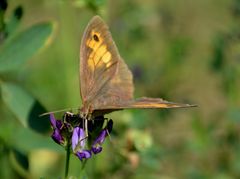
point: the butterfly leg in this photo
(86, 117)
(86, 128)
(110, 139)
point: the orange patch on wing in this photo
(92, 43)
(91, 64)
(99, 51)
(155, 105)
(107, 57)
(108, 64)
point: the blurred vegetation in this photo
(183, 51)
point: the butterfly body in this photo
(106, 82)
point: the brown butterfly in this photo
(106, 83)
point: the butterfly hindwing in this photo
(145, 102)
(140, 103)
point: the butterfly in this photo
(106, 83)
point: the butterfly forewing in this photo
(104, 77)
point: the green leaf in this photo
(14, 21)
(17, 100)
(20, 162)
(27, 140)
(25, 107)
(20, 48)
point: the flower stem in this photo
(67, 160)
(83, 164)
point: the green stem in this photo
(83, 174)
(67, 160)
(83, 164)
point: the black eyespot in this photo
(95, 37)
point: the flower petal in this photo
(55, 123)
(57, 137)
(53, 120)
(82, 137)
(84, 154)
(59, 124)
(96, 149)
(78, 138)
(110, 126)
(100, 139)
(75, 137)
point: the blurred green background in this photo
(183, 51)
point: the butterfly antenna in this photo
(58, 111)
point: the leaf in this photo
(14, 20)
(20, 48)
(27, 140)
(20, 162)
(25, 107)
(17, 100)
(26, 143)
(6, 170)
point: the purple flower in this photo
(70, 131)
(57, 127)
(97, 144)
(96, 147)
(78, 143)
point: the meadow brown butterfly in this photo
(106, 83)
